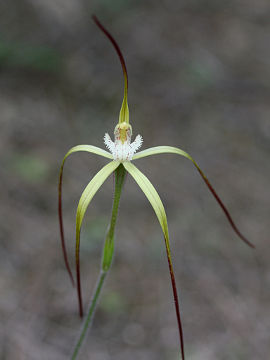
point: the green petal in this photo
(161, 150)
(173, 150)
(154, 199)
(87, 148)
(84, 202)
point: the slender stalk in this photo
(89, 317)
(108, 252)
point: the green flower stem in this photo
(109, 241)
(108, 251)
(91, 311)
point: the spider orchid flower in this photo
(122, 153)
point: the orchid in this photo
(122, 152)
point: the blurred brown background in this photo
(199, 74)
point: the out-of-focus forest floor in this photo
(199, 75)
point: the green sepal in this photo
(154, 199)
(106, 260)
(84, 202)
(173, 150)
(151, 194)
(87, 148)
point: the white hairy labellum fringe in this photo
(123, 151)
